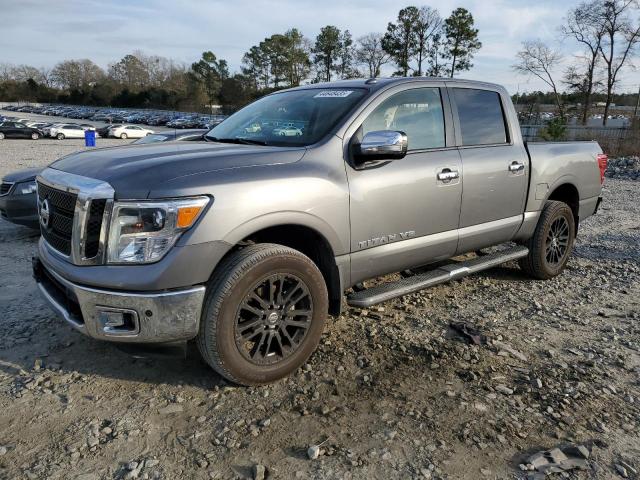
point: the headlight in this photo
(25, 188)
(143, 232)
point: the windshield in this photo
(291, 118)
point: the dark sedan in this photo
(171, 136)
(18, 202)
(18, 130)
(104, 131)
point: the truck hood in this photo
(134, 170)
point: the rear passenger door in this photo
(23, 131)
(495, 167)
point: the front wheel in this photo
(552, 242)
(123, 136)
(263, 315)
(1, 136)
(35, 136)
(60, 136)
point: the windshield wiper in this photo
(239, 140)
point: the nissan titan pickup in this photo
(246, 241)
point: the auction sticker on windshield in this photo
(333, 94)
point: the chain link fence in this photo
(615, 141)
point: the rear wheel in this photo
(60, 136)
(123, 136)
(552, 242)
(263, 315)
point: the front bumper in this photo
(150, 317)
(20, 209)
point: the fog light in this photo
(116, 321)
(112, 319)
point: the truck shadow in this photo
(60, 349)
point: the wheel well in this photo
(568, 194)
(314, 246)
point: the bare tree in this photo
(539, 60)
(45, 77)
(76, 74)
(428, 24)
(6, 72)
(369, 52)
(23, 73)
(584, 23)
(621, 36)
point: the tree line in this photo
(608, 34)
(418, 42)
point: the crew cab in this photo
(247, 241)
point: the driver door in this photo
(401, 213)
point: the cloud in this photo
(105, 31)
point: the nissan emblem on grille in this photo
(45, 213)
(71, 211)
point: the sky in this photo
(41, 33)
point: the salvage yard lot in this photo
(391, 392)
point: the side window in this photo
(417, 112)
(481, 116)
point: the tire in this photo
(123, 136)
(60, 136)
(552, 242)
(229, 312)
(35, 136)
(1, 136)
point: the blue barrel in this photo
(90, 138)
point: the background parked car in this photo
(104, 131)
(18, 201)
(18, 130)
(182, 135)
(129, 131)
(66, 131)
(38, 125)
(287, 131)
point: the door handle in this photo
(516, 167)
(446, 175)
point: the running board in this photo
(388, 291)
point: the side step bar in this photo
(388, 291)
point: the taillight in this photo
(602, 165)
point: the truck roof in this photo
(381, 82)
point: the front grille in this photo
(5, 187)
(62, 207)
(94, 225)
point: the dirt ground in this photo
(391, 392)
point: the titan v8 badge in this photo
(390, 238)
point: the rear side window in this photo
(416, 112)
(481, 116)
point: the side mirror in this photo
(382, 145)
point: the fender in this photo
(287, 217)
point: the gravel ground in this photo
(392, 392)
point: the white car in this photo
(66, 131)
(287, 132)
(47, 130)
(129, 131)
(253, 128)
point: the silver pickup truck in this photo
(247, 240)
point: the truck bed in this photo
(553, 164)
